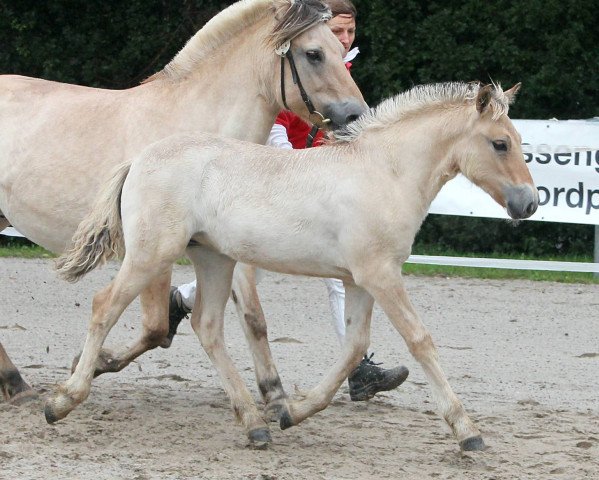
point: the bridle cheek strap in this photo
(284, 51)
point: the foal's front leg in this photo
(214, 274)
(358, 312)
(251, 316)
(388, 289)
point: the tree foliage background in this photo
(551, 46)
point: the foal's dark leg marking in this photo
(270, 388)
(270, 385)
(257, 328)
(273, 393)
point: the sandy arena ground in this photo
(522, 356)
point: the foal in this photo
(349, 210)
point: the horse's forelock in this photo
(501, 103)
(296, 17)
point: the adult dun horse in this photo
(59, 142)
(349, 210)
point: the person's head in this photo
(343, 23)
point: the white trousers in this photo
(336, 302)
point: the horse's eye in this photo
(500, 146)
(314, 56)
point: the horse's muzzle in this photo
(521, 201)
(343, 113)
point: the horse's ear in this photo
(511, 93)
(485, 94)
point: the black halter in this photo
(285, 53)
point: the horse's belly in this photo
(294, 256)
(309, 269)
(51, 228)
(45, 202)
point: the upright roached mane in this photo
(419, 98)
(299, 17)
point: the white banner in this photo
(11, 232)
(563, 158)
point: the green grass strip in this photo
(33, 251)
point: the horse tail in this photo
(99, 236)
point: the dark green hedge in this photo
(550, 46)
(110, 44)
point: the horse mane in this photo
(296, 16)
(419, 98)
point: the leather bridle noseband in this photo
(284, 51)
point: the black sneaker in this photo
(368, 379)
(177, 311)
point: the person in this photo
(291, 132)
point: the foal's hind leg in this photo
(154, 305)
(12, 385)
(107, 307)
(214, 273)
(252, 319)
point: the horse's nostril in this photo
(531, 208)
(351, 118)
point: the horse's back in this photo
(22, 89)
(17, 84)
(34, 108)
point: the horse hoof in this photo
(58, 407)
(473, 444)
(51, 414)
(285, 420)
(260, 438)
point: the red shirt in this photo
(297, 129)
